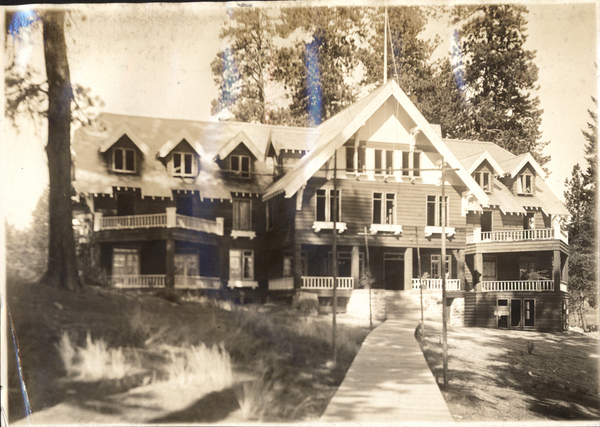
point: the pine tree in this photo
(582, 201)
(499, 78)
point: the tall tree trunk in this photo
(62, 261)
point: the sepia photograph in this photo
(300, 212)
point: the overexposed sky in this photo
(154, 60)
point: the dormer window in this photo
(183, 164)
(124, 160)
(525, 184)
(484, 179)
(240, 166)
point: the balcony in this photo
(326, 283)
(517, 285)
(436, 284)
(518, 235)
(169, 219)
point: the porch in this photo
(517, 285)
(436, 284)
(144, 281)
(311, 283)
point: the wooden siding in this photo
(518, 246)
(548, 308)
(356, 202)
(470, 309)
(283, 211)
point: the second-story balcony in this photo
(169, 219)
(518, 235)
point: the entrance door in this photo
(393, 271)
(486, 221)
(515, 313)
(186, 267)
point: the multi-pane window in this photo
(406, 163)
(240, 166)
(242, 214)
(356, 158)
(384, 162)
(436, 268)
(384, 208)
(529, 312)
(525, 184)
(325, 202)
(503, 319)
(124, 160)
(484, 179)
(241, 264)
(288, 264)
(434, 211)
(183, 164)
(126, 262)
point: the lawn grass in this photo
(93, 355)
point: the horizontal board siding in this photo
(548, 308)
(357, 199)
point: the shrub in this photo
(255, 398)
(208, 365)
(530, 346)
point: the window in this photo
(525, 184)
(356, 158)
(288, 264)
(484, 179)
(384, 162)
(325, 206)
(384, 208)
(183, 164)
(240, 166)
(528, 221)
(345, 264)
(126, 262)
(378, 160)
(269, 211)
(503, 319)
(124, 160)
(489, 270)
(389, 162)
(434, 211)
(436, 267)
(241, 264)
(242, 214)
(414, 170)
(529, 313)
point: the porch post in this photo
(97, 221)
(354, 266)
(297, 266)
(478, 267)
(460, 258)
(556, 270)
(565, 270)
(170, 262)
(408, 268)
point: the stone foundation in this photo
(358, 305)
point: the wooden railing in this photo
(169, 219)
(436, 284)
(318, 282)
(515, 235)
(197, 282)
(138, 281)
(517, 285)
(199, 224)
(281, 284)
(134, 221)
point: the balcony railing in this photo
(518, 235)
(517, 285)
(138, 281)
(281, 284)
(318, 282)
(197, 282)
(161, 220)
(436, 284)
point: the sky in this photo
(154, 60)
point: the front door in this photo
(186, 267)
(393, 272)
(515, 313)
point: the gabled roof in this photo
(334, 132)
(515, 165)
(240, 138)
(299, 139)
(174, 142)
(118, 133)
(472, 162)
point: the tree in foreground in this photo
(582, 201)
(499, 78)
(51, 100)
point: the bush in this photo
(307, 303)
(169, 294)
(210, 366)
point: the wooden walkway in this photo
(389, 381)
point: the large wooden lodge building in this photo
(227, 205)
